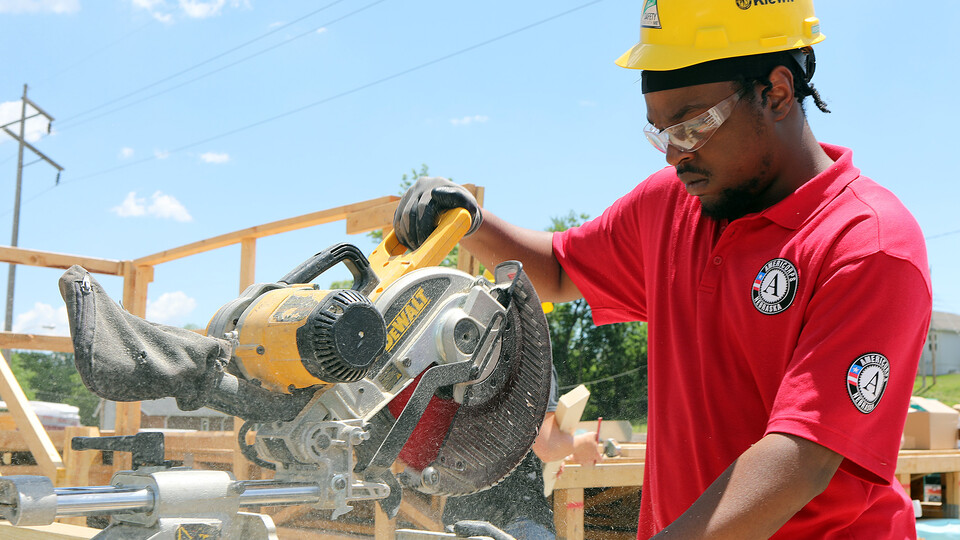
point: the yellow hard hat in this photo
(680, 33)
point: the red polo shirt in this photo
(807, 318)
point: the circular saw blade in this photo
(488, 437)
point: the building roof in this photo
(945, 322)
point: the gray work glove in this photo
(421, 206)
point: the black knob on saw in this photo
(342, 337)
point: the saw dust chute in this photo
(446, 371)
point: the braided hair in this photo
(802, 87)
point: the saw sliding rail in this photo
(101, 500)
(32, 500)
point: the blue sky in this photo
(181, 120)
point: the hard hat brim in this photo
(659, 57)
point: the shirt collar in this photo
(797, 207)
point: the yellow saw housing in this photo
(294, 335)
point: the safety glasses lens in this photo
(655, 138)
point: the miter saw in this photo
(423, 365)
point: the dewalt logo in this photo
(406, 317)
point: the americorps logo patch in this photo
(867, 378)
(775, 286)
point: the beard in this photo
(734, 202)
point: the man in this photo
(787, 296)
(517, 505)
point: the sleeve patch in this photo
(866, 380)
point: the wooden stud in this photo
(569, 411)
(384, 528)
(248, 262)
(267, 229)
(29, 425)
(305, 534)
(372, 218)
(46, 259)
(420, 513)
(609, 473)
(568, 513)
(78, 463)
(35, 342)
(950, 488)
(136, 279)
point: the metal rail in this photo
(99, 500)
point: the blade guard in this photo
(461, 449)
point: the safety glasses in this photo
(689, 136)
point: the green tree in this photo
(53, 377)
(610, 359)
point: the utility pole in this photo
(21, 138)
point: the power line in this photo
(941, 235)
(204, 62)
(95, 53)
(605, 379)
(209, 73)
(340, 95)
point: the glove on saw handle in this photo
(421, 206)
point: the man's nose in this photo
(676, 156)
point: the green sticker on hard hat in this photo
(651, 15)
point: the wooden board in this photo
(56, 531)
(569, 410)
(29, 425)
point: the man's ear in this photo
(780, 97)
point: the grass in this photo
(946, 390)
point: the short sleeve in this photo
(604, 259)
(848, 384)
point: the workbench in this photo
(619, 475)
(913, 465)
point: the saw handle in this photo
(364, 278)
(391, 259)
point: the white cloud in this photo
(35, 127)
(165, 11)
(57, 7)
(467, 120)
(161, 206)
(43, 319)
(126, 152)
(170, 308)
(167, 207)
(132, 206)
(201, 10)
(215, 157)
(322, 30)
(161, 154)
